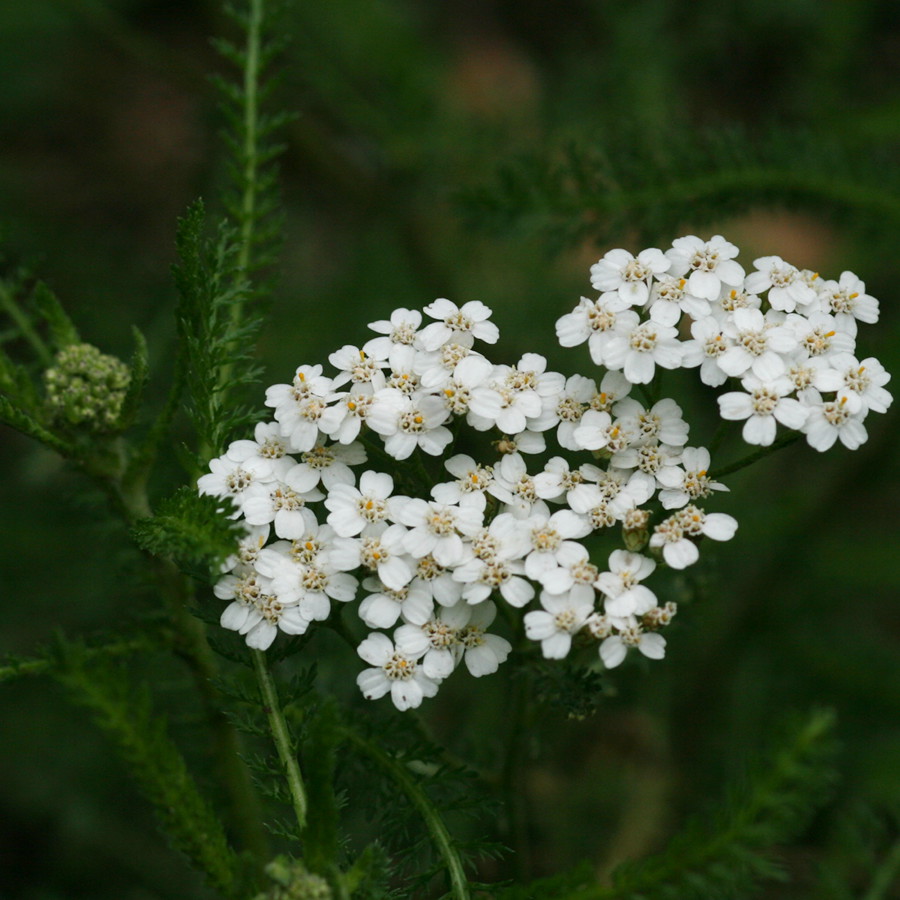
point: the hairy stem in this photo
(280, 736)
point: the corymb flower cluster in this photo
(574, 461)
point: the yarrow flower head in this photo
(559, 499)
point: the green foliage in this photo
(252, 199)
(216, 334)
(125, 713)
(726, 852)
(191, 529)
(62, 329)
(420, 791)
(629, 183)
(568, 688)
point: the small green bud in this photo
(87, 388)
(635, 532)
(294, 882)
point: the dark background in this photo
(108, 131)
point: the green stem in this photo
(885, 875)
(7, 301)
(280, 736)
(459, 887)
(784, 441)
(250, 150)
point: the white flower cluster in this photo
(431, 564)
(787, 334)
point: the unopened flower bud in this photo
(86, 387)
(634, 529)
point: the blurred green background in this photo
(108, 131)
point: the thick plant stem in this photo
(459, 886)
(280, 736)
(244, 811)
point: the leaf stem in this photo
(784, 441)
(280, 736)
(7, 301)
(459, 886)
(885, 875)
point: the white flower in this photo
(400, 329)
(407, 422)
(848, 301)
(347, 410)
(512, 481)
(625, 595)
(312, 586)
(862, 383)
(557, 479)
(393, 672)
(283, 500)
(630, 276)
(757, 345)
(691, 482)
(482, 652)
(640, 349)
(670, 297)
(457, 323)
(708, 344)
(630, 634)
(561, 617)
(299, 406)
(248, 548)
(352, 508)
(663, 422)
(268, 443)
(567, 410)
(330, 464)
(787, 288)
(481, 577)
(382, 606)
(228, 478)
(436, 640)
(551, 538)
(711, 265)
(436, 527)
(819, 334)
(471, 477)
(380, 549)
(360, 366)
(833, 419)
(593, 321)
(763, 405)
(675, 534)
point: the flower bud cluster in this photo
(86, 387)
(426, 562)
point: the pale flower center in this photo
(634, 270)
(545, 539)
(754, 342)
(599, 318)
(371, 508)
(399, 668)
(440, 634)
(238, 480)
(570, 410)
(763, 400)
(643, 338)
